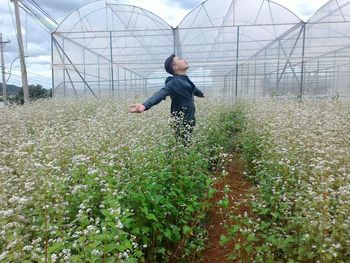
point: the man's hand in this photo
(136, 108)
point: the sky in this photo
(37, 41)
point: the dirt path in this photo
(239, 187)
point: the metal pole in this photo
(278, 65)
(174, 40)
(125, 83)
(334, 72)
(65, 68)
(64, 73)
(177, 44)
(111, 53)
(74, 67)
(225, 87)
(237, 55)
(326, 81)
(99, 77)
(21, 54)
(248, 80)
(118, 82)
(52, 70)
(265, 80)
(302, 64)
(84, 72)
(4, 87)
(254, 81)
(337, 85)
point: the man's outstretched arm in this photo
(136, 108)
(198, 92)
(154, 100)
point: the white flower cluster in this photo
(44, 146)
(311, 141)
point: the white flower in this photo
(53, 257)
(97, 252)
(27, 248)
(119, 225)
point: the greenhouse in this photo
(235, 49)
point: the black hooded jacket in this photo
(181, 91)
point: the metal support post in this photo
(302, 64)
(237, 56)
(98, 77)
(52, 69)
(4, 87)
(177, 44)
(111, 54)
(64, 73)
(278, 64)
(74, 67)
(21, 53)
(254, 81)
(84, 73)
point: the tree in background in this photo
(35, 92)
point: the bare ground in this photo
(239, 188)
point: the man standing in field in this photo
(181, 91)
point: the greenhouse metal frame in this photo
(235, 48)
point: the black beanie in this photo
(168, 64)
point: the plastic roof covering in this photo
(328, 30)
(139, 37)
(332, 11)
(141, 40)
(212, 29)
(327, 47)
(270, 41)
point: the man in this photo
(181, 91)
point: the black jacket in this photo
(181, 91)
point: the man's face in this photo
(180, 64)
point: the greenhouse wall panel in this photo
(236, 49)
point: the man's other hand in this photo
(136, 108)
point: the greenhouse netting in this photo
(235, 48)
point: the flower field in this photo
(298, 155)
(84, 181)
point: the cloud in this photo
(171, 12)
(164, 8)
(302, 8)
(189, 4)
(61, 8)
(36, 40)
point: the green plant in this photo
(297, 155)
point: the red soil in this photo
(239, 188)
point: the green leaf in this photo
(161, 250)
(124, 245)
(145, 210)
(167, 233)
(110, 247)
(251, 237)
(151, 216)
(232, 256)
(234, 229)
(223, 239)
(249, 248)
(275, 214)
(186, 230)
(237, 247)
(57, 247)
(76, 258)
